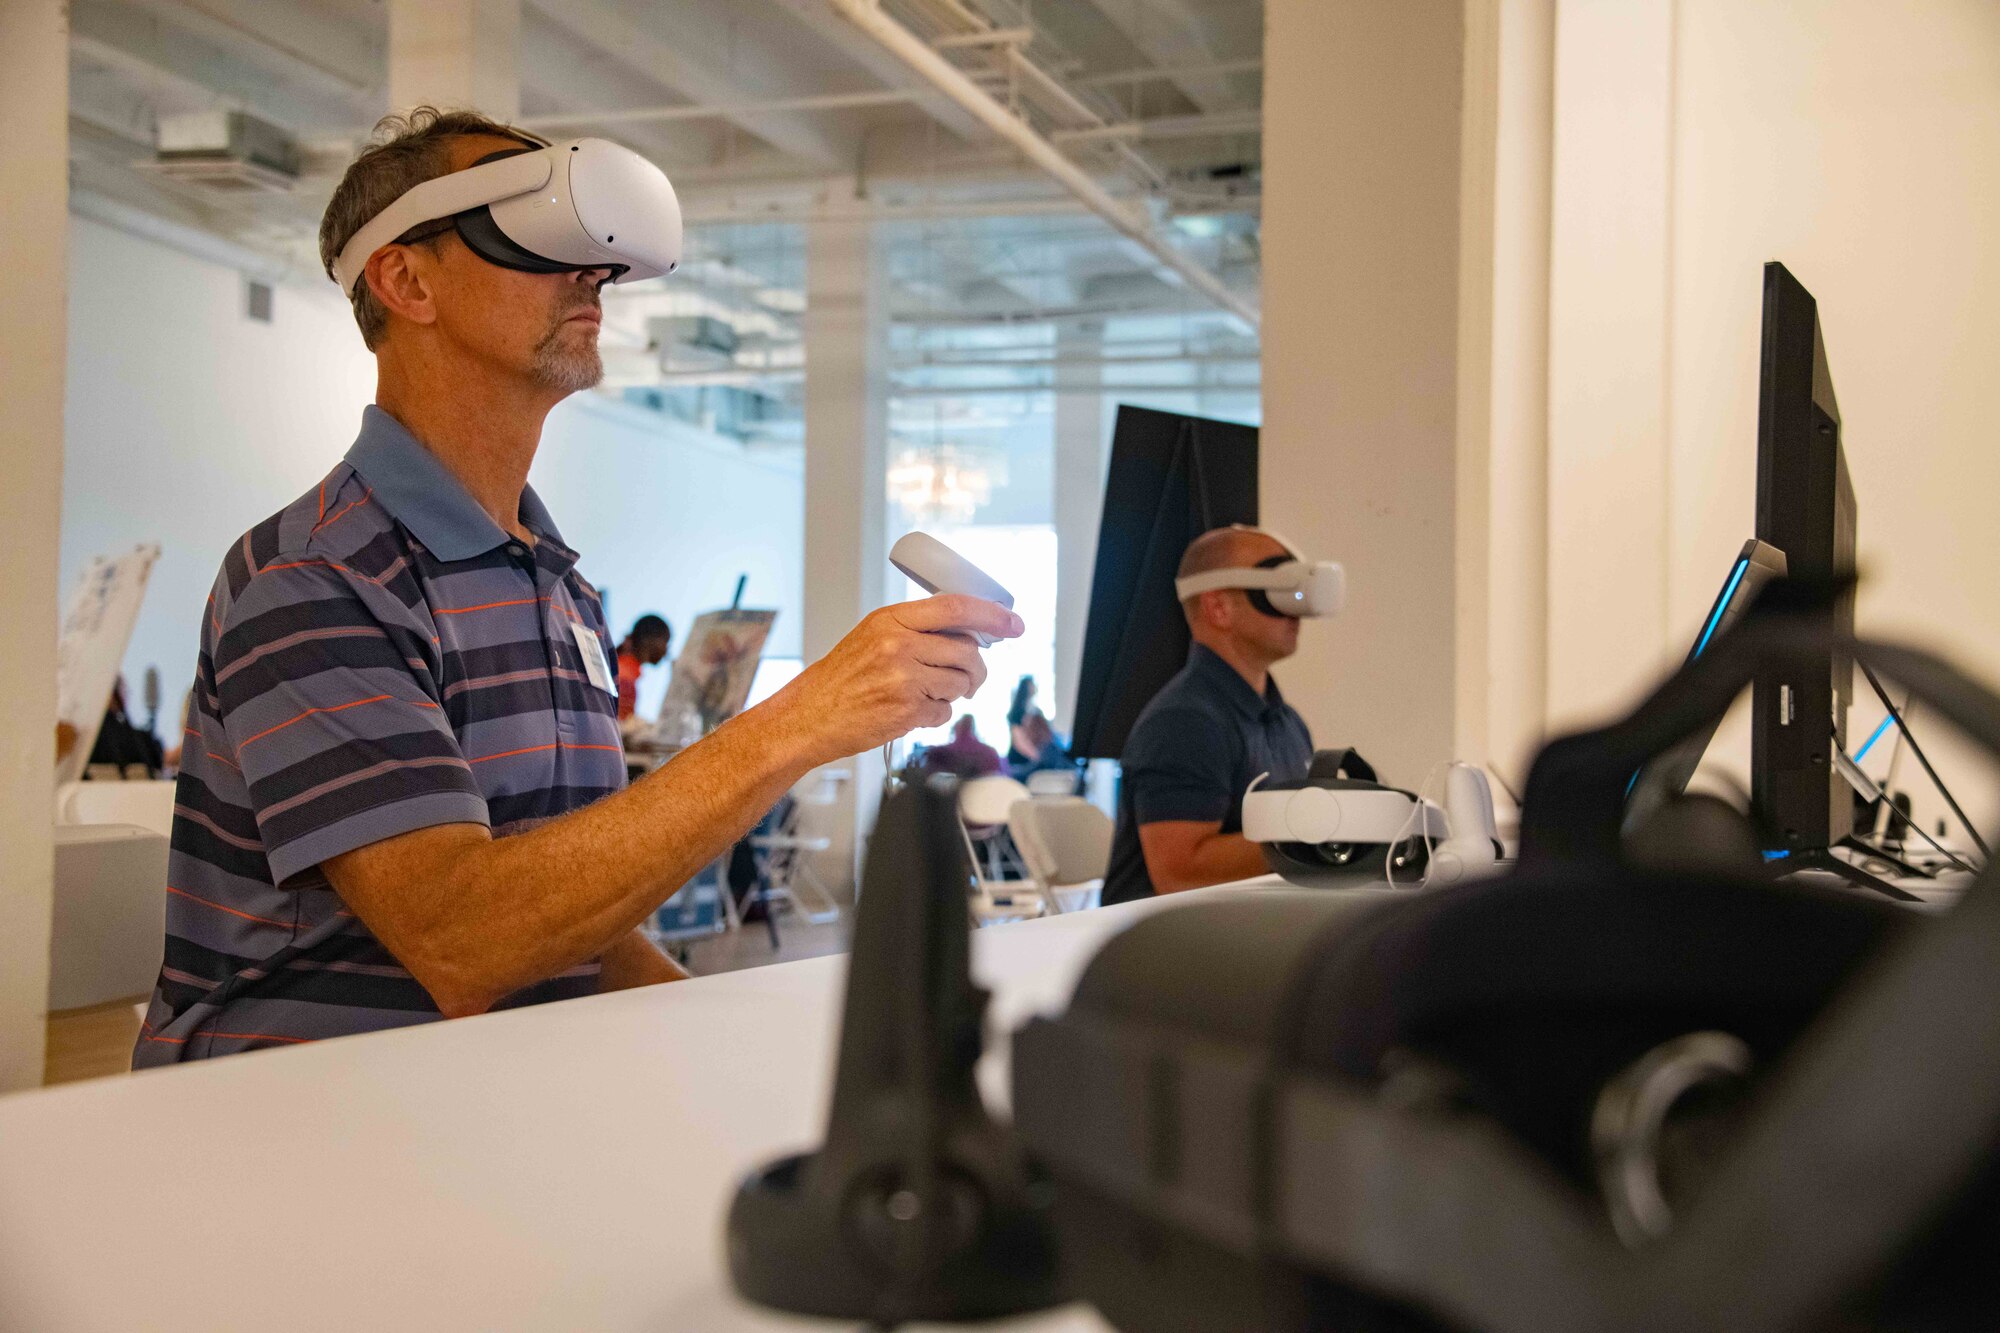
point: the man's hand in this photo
(898, 670)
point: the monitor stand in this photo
(1822, 858)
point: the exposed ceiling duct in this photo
(225, 150)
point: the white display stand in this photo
(562, 1167)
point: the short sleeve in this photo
(330, 706)
(1177, 765)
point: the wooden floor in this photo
(97, 1042)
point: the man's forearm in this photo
(489, 916)
(1219, 858)
(632, 961)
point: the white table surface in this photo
(562, 1167)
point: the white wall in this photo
(188, 423)
(1859, 143)
(1360, 291)
(666, 516)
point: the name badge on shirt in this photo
(594, 665)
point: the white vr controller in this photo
(936, 568)
(1295, 587)
(580, 204)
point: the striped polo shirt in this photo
(376, 658)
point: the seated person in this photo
(1049, 752)
(1207, 734)
(403, 797)
(645, 646)
(1021, 750)
(964, 755)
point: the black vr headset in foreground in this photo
(1587, 1095)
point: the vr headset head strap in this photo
(1218, 580)
(442, 197)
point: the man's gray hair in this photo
(404, 151)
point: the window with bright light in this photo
(1023, 559)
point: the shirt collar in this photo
(421, 493)
(1207, 663)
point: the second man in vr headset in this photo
(1221, 721)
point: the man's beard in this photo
(568, 368)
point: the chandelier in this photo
(939, 483)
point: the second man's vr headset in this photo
(581, 204)
(1284, 585)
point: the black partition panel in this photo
(1172, 478)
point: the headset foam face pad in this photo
(1536, 990)
(482, 235)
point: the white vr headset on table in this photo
(580, 204)
(1284, 585)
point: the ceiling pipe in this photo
(954, 83)
(719, 111)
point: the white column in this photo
(34, 233)
(1360, 346)
(1609, 277)
(1082, 445)
(455, 54)
(846, 409)
(1503, 384)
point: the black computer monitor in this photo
(1805, 508)
(1666, 777)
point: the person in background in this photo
(124, 745)
(965, 755)
(1021, 750)
(1051, 755)
(645, 646)
(1206, 735)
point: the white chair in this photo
(1052, 782)
(789, 849)
(110, 913)
(984, 804)
(148, 805)
(1066, 843)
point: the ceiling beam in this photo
(701, 75)
(295, 41)
(563, 77)
(185, 47)
(818, 16)
(1168, 33)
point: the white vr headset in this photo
(582, 204)
(1284, 585)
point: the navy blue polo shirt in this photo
(1194, 750)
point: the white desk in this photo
(563, 1167)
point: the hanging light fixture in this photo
(941, 483)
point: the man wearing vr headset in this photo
(403, 794)
(1220, 722)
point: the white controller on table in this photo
(935, 568)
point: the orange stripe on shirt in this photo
(537, 749)
(325, 522)
(232, 1036)
(261, 920)
(337, 708)
(485, 606)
